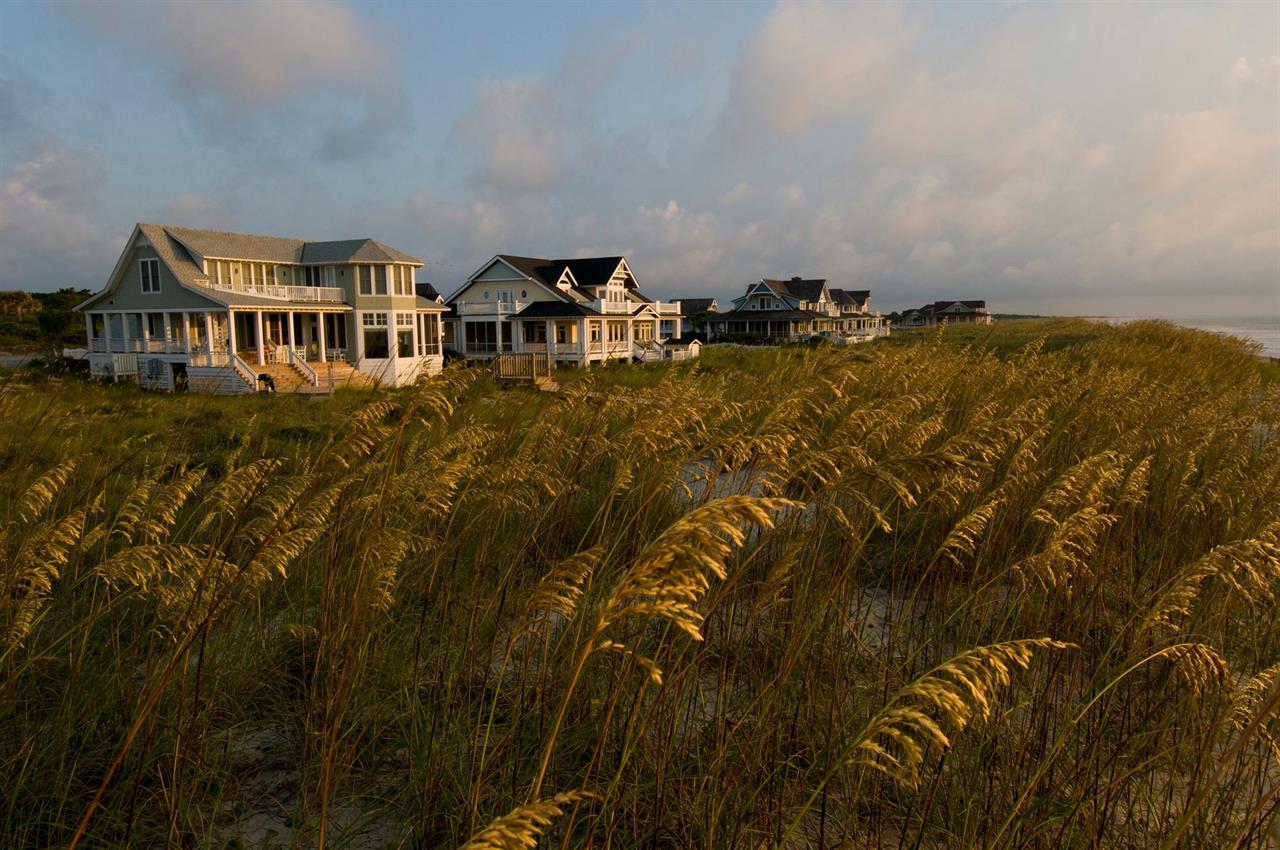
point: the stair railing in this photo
(301, 364)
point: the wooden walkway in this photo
(532, 368)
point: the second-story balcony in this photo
(490, 308)
(667, 308)
(623, 307)
(282, 292)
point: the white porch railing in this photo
(246, 373)
(301, 364)
(614, 307)
(284, 293)
(667, 308)
(489, 308)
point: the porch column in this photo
(88, 330)
(320, 323)
(106, 332)
(358, 322)
(231, 332)
(551, 339)
(583, 342)
(168, 332)
(208, 336)
(262, 350)
(290, 334)
(417, 334)
(517, 337)
(144, 326)
(186, 333)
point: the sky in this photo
(1117, 158)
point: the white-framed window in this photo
(403, 278)
(150, 270)
(329, 276)
(404, 320)
(376, 342)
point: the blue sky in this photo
(1073, 158)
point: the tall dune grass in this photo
(995, 591)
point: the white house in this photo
(798, 309)
(216, 311)
(578, 311)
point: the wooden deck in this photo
(530, 368)
(521, 368)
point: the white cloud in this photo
(812, 60)
(255, 66)
(48, 235)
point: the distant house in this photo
(585, 310)
(797, 309)
(427, 291)
(217, 310)
(695, 315)
(947, 312)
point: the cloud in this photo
(48, 235)
(810, 61)
(508, 138)
(313, 63)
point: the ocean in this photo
(1264, 331)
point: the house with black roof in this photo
(580, 311)
(947, 312)
(799, 309)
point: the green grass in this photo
(1001, 588)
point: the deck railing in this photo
(284, 293)
(301, 364)
(489, 308)
(522, 368)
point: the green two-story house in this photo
(223, 312)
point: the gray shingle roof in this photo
(276, 249)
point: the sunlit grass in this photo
(1006, 588)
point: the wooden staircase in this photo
(286, 378)
(546, 384)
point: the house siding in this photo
(129, 295)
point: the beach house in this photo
(216, 312)
(774, 310)
(572, 311)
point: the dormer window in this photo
(150, 277)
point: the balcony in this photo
(283, 293)
(490, 308)
(623, 307)
(667, 308)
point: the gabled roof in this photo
(555, 310)
(797, 315)
(850, 297)
(173, 245)
(584, 273)
(797, 287)
(426, 290)
(696, 306)
(275, 249)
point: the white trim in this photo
(471, 278)
(142, 281)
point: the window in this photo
(375, 335)
(535, 331)
(562, 334)
(617, 331)
(594, 328)
(402, 277)
(319, 275)
(404, 320)
(481, 336)
(404, 341)
(151, 276)
(373, 279)
(366, 280)
(379, 280)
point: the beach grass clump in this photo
(1010, 587)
